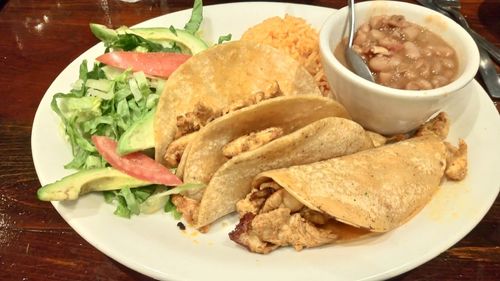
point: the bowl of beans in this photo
(420, 60)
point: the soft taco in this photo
(220, 79)
(371, 191)
(281, 132)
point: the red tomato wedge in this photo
(136, 164)
(155, 64)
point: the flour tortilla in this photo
(221, 76)
(378, 189)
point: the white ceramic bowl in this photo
(383, 109)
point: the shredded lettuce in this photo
(128, 200)
(103, 103)
(157, 201)
(223, 38)
(170, 208)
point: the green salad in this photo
(116, 99)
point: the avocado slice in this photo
(139, 136)
(159, 34)
(85, 181)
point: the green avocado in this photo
(139, 136)
(159, 34)
(100, 179)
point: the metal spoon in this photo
(354, 59)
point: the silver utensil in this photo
(354, 59)
(453, 7)
(486, 66)
(488, 73)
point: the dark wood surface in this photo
(39, 38)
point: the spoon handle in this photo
(351, 15)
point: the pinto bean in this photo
(384, 77)
(395, 61)
(377, 21)
(425, 70)
(390, 43)
(448, 74)
(411, 50)
(361, 38)
(397, 35)
(444, 51)
(410, 75)
(376, 34)
(397, 21)
(411, 32)
(365, 27)
(357, 49)
(419, 63)
(436, 67)
(379, 50)
(379, 64)
(438, 81)
(427, 52)
(448, 63)
(424, 84)
(412, 85)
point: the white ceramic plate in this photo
(153, 245)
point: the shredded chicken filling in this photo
(176, 149)
(203, 114)
(439, 126)
(188, 207)
(456, 162)
(251, 141)
(272, 218)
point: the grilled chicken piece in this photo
(193, 121)
(251, 141)
(265, 232)
(377, 139)
(188, 207)
(456, 168)
(176, 149)
(274, 218)
(439, 126)
(203, 114)
(271, 92)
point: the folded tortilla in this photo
(343, 198)
(221, 76)
(378, 189)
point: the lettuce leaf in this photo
(223, 38)
(194, 22)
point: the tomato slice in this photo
(156, 64)
(136, 164)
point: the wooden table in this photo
(39, 38)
